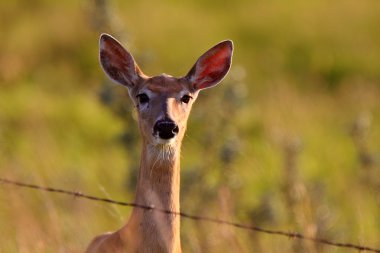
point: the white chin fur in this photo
(159, 141)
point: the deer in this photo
(163, 105)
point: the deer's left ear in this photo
(212, 66)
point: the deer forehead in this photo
(165, 85)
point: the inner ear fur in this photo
(117, 62)
(212, 66)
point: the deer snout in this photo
(166, 129)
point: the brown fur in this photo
(159, 175)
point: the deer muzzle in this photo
(165, 129)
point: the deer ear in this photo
(117, 62)
(212, 66)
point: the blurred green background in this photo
(292, 139)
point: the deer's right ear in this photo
(117, 62)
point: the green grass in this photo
(303, 72)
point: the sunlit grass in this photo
(303, 74)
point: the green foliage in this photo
(291, 140)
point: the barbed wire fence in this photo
(291, 235)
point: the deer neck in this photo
(158, 186)
(159, 177)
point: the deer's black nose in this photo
(166, 129)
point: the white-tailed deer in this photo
(163, 105)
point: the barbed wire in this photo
(292, 235)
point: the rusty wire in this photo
(291, 235)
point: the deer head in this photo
(163, 102)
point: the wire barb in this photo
(290, 235)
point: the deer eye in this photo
(143, 98)
(185, 99)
